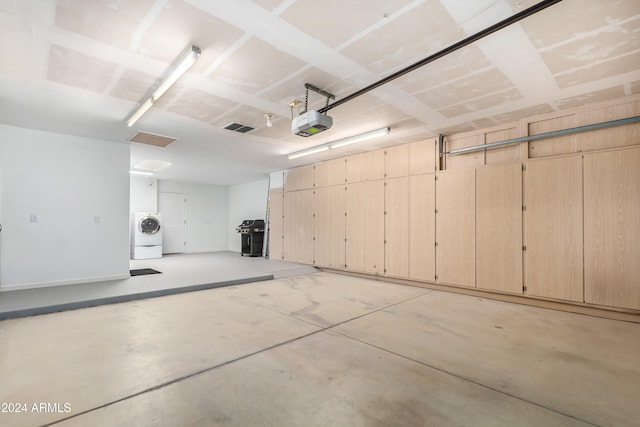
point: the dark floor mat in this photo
(143, 271)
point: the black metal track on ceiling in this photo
(447, 50)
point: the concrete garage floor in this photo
(319, 350)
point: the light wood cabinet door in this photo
(455, 227)
(299, 178)
(423, 156)
(298, 226)
(499, 228)
(612, 228)
(396, 229)
(365, 227)
(553, 228)
(275, 223)
(329, 229)
(365, 166)
(422, 227)
(331, 172)
(397, 161)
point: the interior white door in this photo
(173, 207)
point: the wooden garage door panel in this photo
(455, 227)
(299, 178)
(298, 226)
(553, 228)
(397, 161)
(329, 228)
(423, 156)
(365, 227)
(331, 172)
(422, 227)
(367, 166)
(275, 224)
(612, 228)
(397, 227)
(499, 228)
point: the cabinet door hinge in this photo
(524, 248)
(524, 289)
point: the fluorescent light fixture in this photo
(140, 111)
(358, 138)
(312, 150)
(141, 173)
(340, 143)
(185, 63)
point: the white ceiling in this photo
(81, 67)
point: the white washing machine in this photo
(146, 235)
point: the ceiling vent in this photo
(239, 127)
(152, 139)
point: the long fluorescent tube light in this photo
(312, 150)
(185, 63)
(140, 111)
(358, 138)
(340, 143)
(141, 173)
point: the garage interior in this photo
(474, 264)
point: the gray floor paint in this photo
(180, 273)
(319, 349)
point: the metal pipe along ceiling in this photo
(545, 135)
(448, 50)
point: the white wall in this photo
(65, 211)
(207, 214)
(246, 201)
(144, 194)
(276, 180)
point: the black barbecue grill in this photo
(251, 237)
